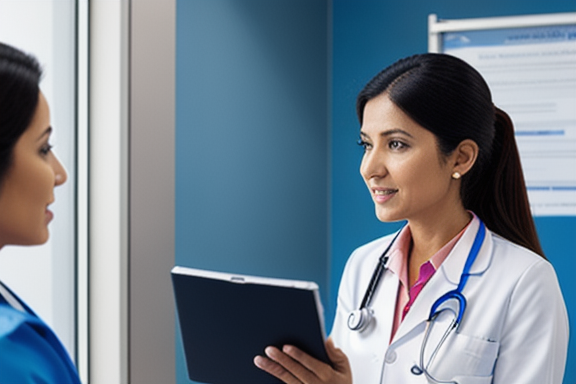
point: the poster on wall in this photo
(531, 70)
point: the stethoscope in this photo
(360, 318)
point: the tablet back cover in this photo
(226, 320)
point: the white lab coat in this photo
(514, 329)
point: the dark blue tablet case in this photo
(226, 320)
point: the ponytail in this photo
(497, 193)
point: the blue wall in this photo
(369, 35)
(251, 148)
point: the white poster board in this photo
(529, 63)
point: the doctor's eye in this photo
(365, 145)
(397, 145)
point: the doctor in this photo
(29, 171)
(462, 293)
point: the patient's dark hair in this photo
(20, 76)
(449, 98)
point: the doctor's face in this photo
(28, 186)
(407, 176)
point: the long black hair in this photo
(449, 98)
(20, 76)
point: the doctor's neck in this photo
(429, 236)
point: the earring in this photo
(456, 175)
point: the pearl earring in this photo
(456, 175)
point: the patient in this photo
(30, 352)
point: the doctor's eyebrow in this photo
(47, 131)
(389, 132)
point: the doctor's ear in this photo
(464, 157)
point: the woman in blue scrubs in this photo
(30, 352)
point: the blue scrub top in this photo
(29, 351)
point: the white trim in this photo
(503, 22)
(108, 191)
(82, 213)
(438, 26)
(433, 34)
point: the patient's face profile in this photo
(28, 186)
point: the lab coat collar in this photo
(446, 278)
(454, 263)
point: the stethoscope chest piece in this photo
(359, 319)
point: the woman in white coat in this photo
(441, 156)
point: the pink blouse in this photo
(399, 266)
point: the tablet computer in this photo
(227, 319)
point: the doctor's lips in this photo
(382, 195)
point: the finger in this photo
(292, 365)
(337, 357)
(312, 368)
(275, 369)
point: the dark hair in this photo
(20, 76)
(449, 98)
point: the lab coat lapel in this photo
(390, 286)
(452, 267)
(447, 278)
(386, 298)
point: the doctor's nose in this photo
(372, 166)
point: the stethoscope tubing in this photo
(359, 319)
(377, 274)
(454, 294)
(457, 293)
(422, 369)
